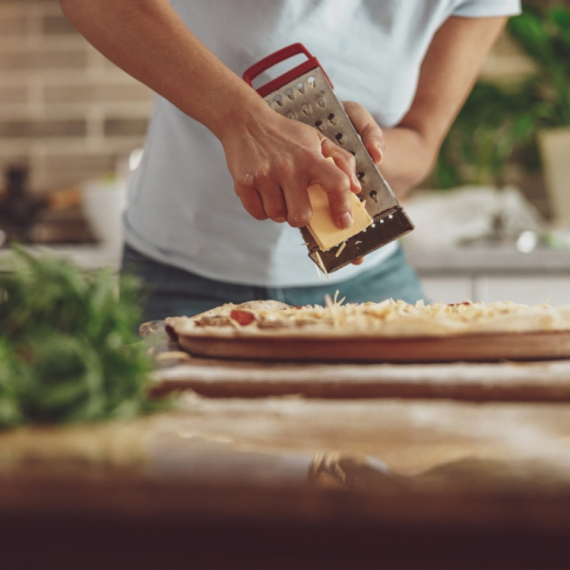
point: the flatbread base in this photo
(485, 347)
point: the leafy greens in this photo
(69, 350)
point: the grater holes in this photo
(320, 100)
(300, 87)
(305, 108)
(338, 137)
(290, 93)
(374, 195)
(279, 100)
(360, 176)
(291, 115)
(311, 81)
(319, 124)
(332, 118)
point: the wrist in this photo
(238, 112)
(408, 159)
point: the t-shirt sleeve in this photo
(483, 8)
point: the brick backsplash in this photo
(69, 113)
(65, 111)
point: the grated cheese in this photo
(388, 318)
(321, 264)
(340, 249)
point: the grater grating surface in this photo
(306, 95)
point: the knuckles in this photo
(300, 219)
(252, 179)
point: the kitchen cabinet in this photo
(447, 289)
(493, 273)
(483, 273)
(528, 289)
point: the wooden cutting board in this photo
(545, 381)
(354, 348)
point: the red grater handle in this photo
(277, 57)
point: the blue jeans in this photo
(175, 292)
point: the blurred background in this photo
(72, 126)
(69, 120)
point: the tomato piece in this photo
(242, 317)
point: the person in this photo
(214, 207)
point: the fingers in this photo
(261, 197)
(283, 196)
(368, 129)
(299, 209)
(344, 160)
(273, 200)
(337, 185)
(251, 201)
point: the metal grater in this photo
(306, 94)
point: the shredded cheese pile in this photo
(389, 318)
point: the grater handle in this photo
(277, 57)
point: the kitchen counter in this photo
(90, 257)
(484, 257)
(489, 258)
(290, 482)
(480, 272)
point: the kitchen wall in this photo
(68, 113)
(64, 109)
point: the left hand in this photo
(370, 133)
(368, 129)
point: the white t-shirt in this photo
(182, 209)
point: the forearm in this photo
(272, 159)
(149, 41)
(408, 159)
(448, 73)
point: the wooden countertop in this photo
(275, 482)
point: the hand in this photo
(368, 129)
(370, 133)
(273, 160)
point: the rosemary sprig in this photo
(69, 350)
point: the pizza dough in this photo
(391, 331)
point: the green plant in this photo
(499, 121)
(69, 349)
(545, 38)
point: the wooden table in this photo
(291, 482)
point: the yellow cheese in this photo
(322, 225)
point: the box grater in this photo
(306, 94)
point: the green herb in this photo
(69, 350)
(500, 121)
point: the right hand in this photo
(273, 160)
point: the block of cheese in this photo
(322, 226)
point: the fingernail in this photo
(346, 220)
(380, 152)
(280, 220)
